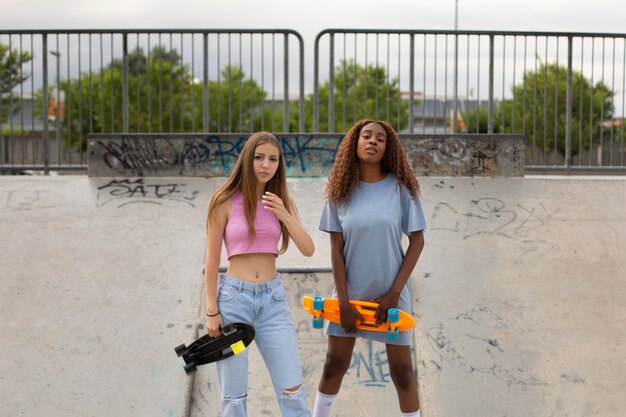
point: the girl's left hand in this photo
(274, 204)
(385, 302)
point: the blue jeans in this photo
(264, 306)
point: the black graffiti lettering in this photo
(311, 155)
(139, 154)
(444, 217)
(126, 192)
(489, 216)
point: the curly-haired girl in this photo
(372, 200)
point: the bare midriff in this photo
(252, 267)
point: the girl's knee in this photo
(293, 390)
(335, 366)
(292, 393)
(402, 376)
(234, 401)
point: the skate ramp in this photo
(519, 297)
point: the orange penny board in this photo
(367, 310)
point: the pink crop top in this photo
(266, 226)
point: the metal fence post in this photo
(125, 82)
(491, 70)
(205, 82)
(286, 85)
(46, 144)
(316, 74)
(412, 85)
(301, 100)
(455, 122)
(568, 111)
(331, 85)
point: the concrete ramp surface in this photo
(519, 298)
(522, 298)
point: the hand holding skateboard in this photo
(207, 349)
(349, 317)
(328, 308)
(385, 303)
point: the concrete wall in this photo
(309, 155)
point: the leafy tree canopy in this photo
(12, 74)
(359, 92)
(538, 110)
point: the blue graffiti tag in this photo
(371, 366)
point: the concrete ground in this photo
(519, 298)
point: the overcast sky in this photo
(312, 16)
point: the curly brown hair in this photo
(344, 175)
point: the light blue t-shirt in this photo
(372, 223)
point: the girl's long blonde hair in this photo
(344, 175)
(242, 179)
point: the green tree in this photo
(138, 61)
(163, 97)
(11, 75)
(545, 119)
(235, 103)
(477, 120)
(359, 92)
(538, 110)
(159, 98)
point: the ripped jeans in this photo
(264, 306)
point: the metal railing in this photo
(72, 83)
(564, 91)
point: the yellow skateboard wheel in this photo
(238, 347)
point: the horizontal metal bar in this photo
(62, 167)
(469, 32)
(142, 31)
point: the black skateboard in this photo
(209, 349)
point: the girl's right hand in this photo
(214, 325)
(349, 318)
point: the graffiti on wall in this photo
(370, 365)
(487, 216)
(481, 340)
(301, 153)
(304, 155)
(125, 192)
(214, 155)
(26, 200)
